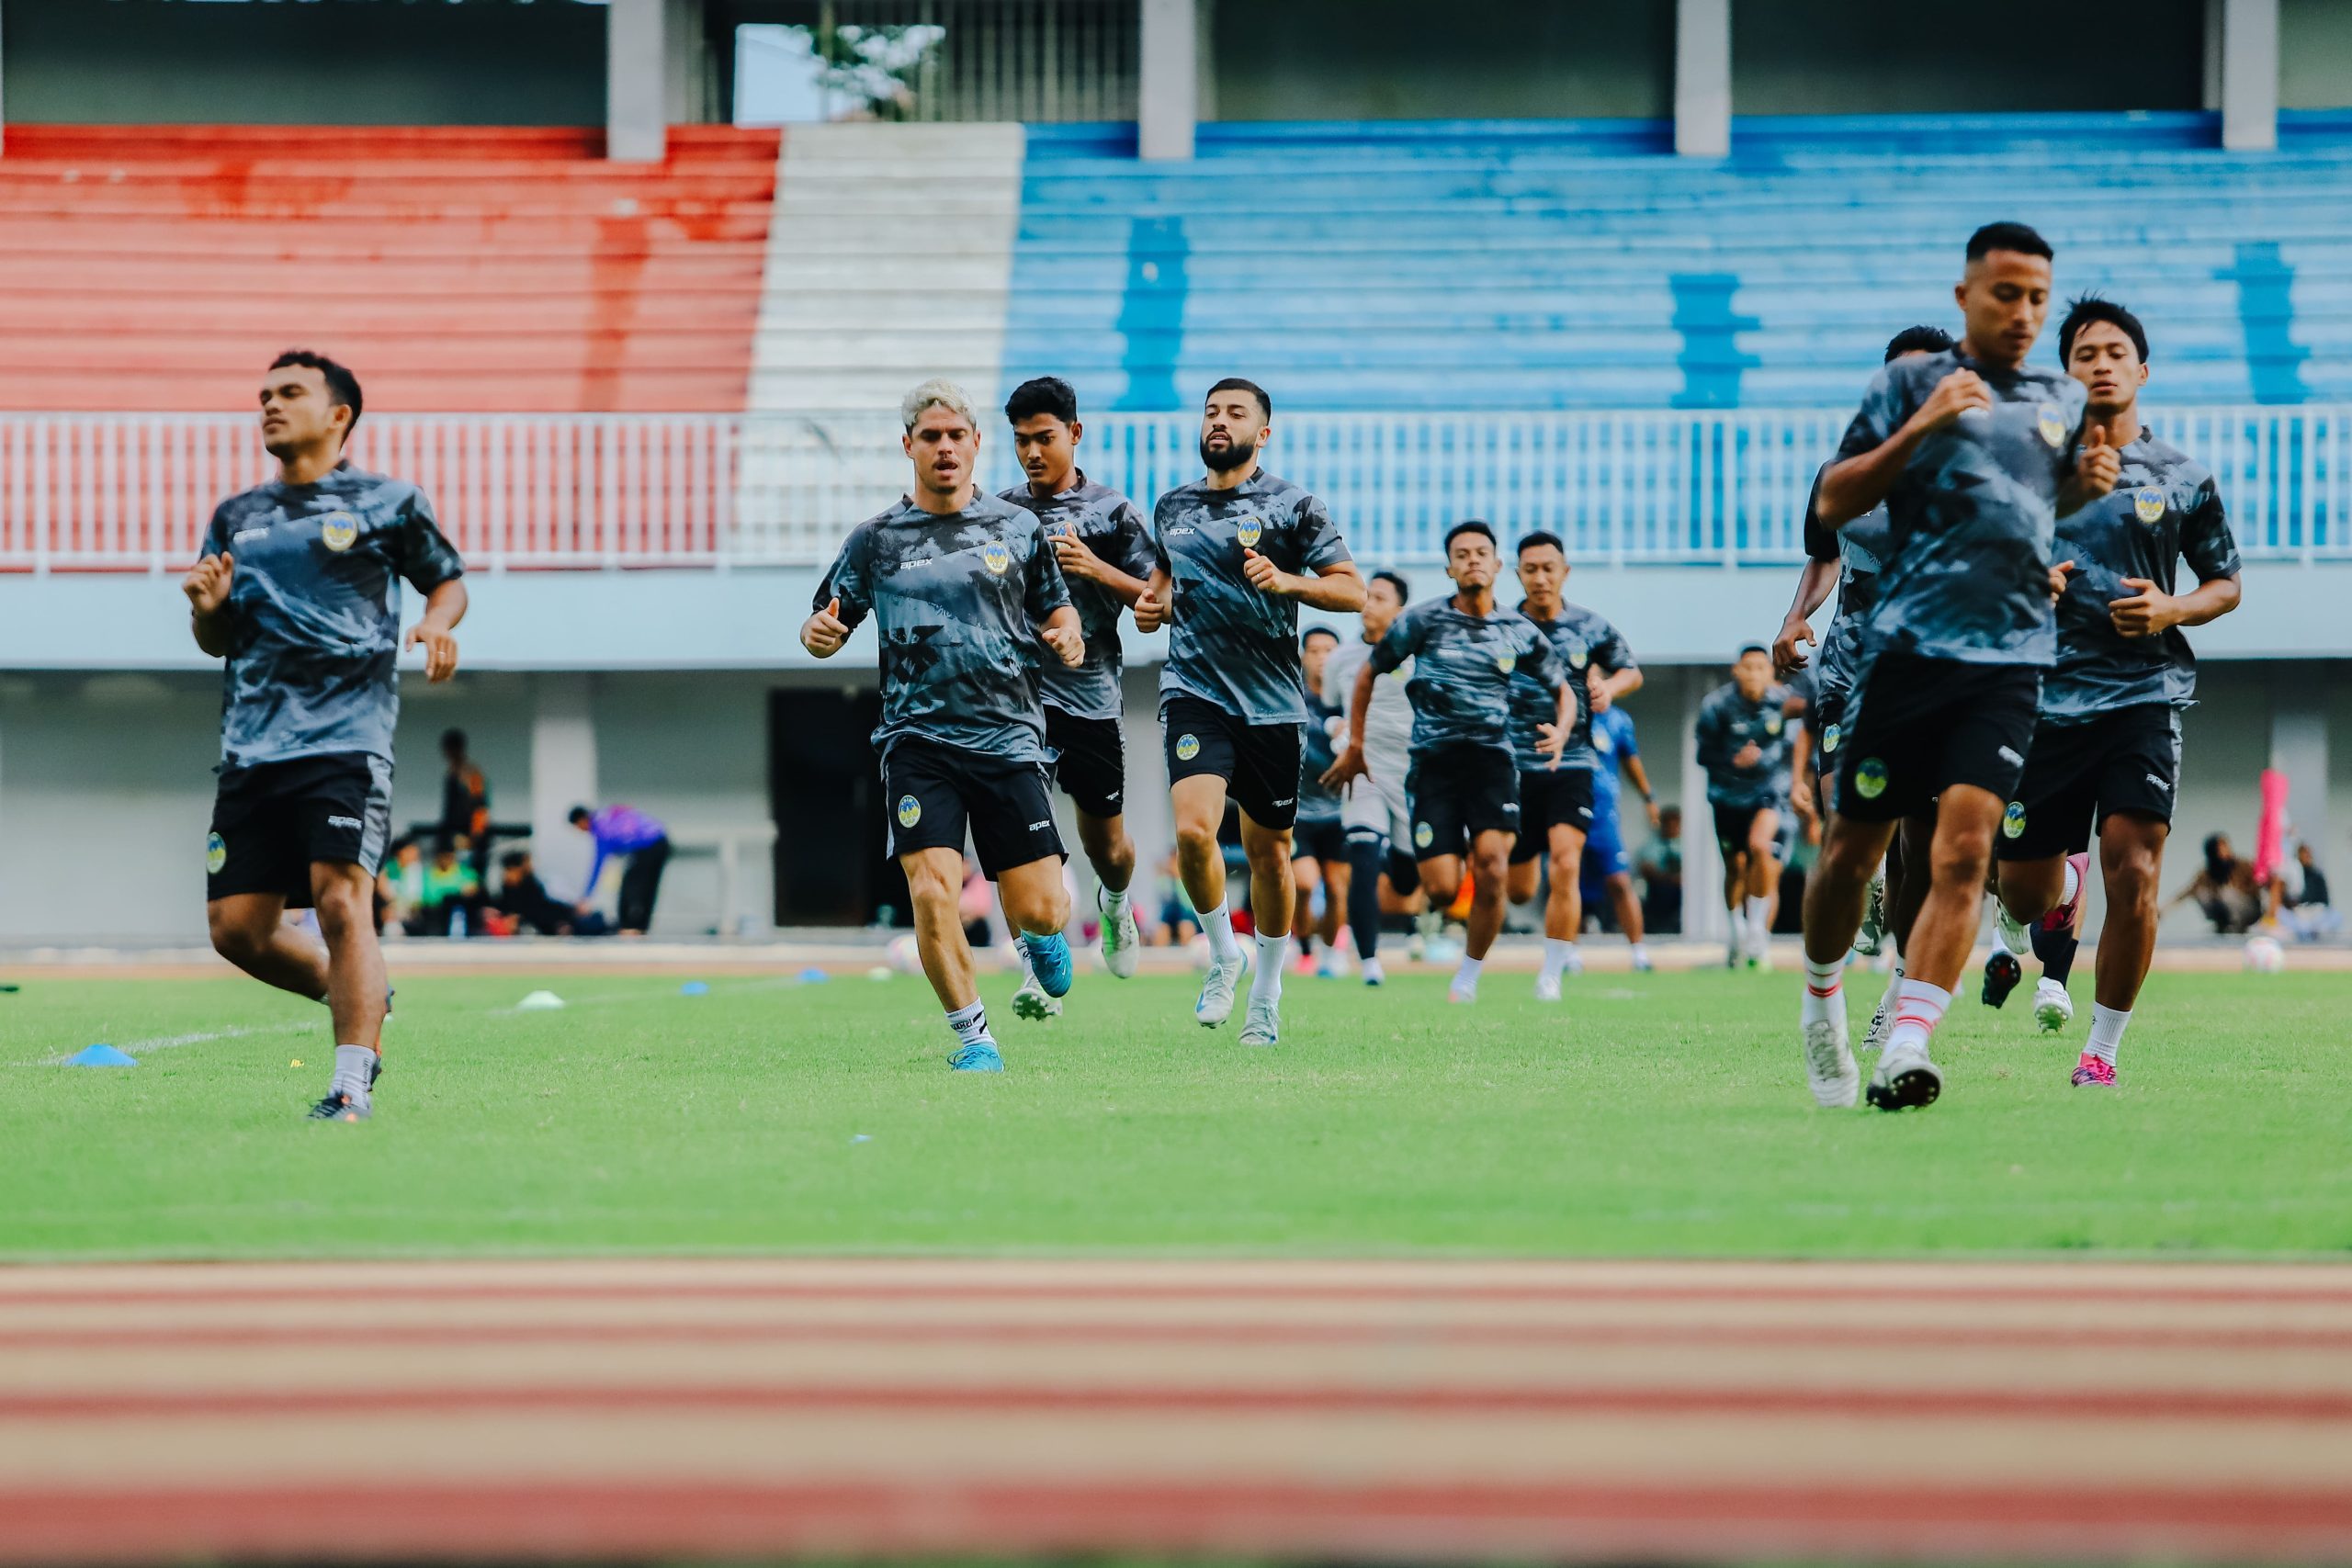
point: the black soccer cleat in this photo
(2002, 973)
(336, 1106)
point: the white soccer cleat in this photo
(2053, 1008)
(2013, 935)
(1374, 974)
(1461, 993)
(1641, 964)
(1216, 1004)
(1906, 1079)
(1882, 1024)
(1332, 965)
(1121, 944)
(1829, 1066)
(1263, 1026)
(1031, 1001)
(1547, 987)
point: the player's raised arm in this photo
(1885, 433)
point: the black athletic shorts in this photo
(1733, 822)
(1092, 767)
(1458, 794)
(1258, 762)
(271, 821)
(934, 791)
(1548, 796)
(1917, 727)
(1325, 838)
(2077, 775)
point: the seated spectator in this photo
(2309, 913)
(1661, 873)
(2224, 890)
(450, 901)
(523, 898)
(399, 886)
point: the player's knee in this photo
(1960, 855)
(928, 884)
(2132, 879)
(239, 941)
(1493, 871)
(1268, 852)
(1195, 835)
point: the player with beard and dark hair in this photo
(1239, 552)
(1104, 547)
(1976, 456)
(2106, 757)
(298, 590)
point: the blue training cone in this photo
(694, 988)
(814, 976)
(101, 1056)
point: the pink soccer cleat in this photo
(2093, 1072)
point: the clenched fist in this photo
(207, 584)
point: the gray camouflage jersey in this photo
(1860, 548)
(314, 601)
(959, 599)
(1728, 723)
(1583, 638)
(1388, 723)
(1464, 669)
(1229, 645)
(2163, 509)
(1317, 802)
(1973, 513)
(1112, 527)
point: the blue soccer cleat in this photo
(979, 1056)
(1049, 961)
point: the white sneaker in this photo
(1574, 961)
(1122, 942)
(1263, 1026)
(2012, 933)
(1904, 1078)
(1547, 987)
(1332, 965)
(1828, 1065)
(1374, 974)
(1216, 992)
(1031, 1001)
(1882, 1024)
(1641, 964)
(2053, 1008)
(1462, 990)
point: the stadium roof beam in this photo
(1702, 78)
(1167, 105)
(636, 81)
(2250, 75)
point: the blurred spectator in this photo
(465, 802)
(2309, 913)
(523, 898)
(1661, 871)
(2223, 888)
(450, 901)
(623, 831)
(1178, 921)
(399, 886)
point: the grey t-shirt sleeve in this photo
(1401, 642)
(847, 581)
(427, 559)
(1046, 591)
(1886, 405)
(1613, 653)
(1712, 754)
(1319, 545)
(1131, 545)
(2206, 542)
(1542, 660)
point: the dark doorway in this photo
(829, 865)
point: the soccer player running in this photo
(1745, 742)
(1319, 854)
(1608, 871)
(1372, 809)
(1556, 803)
(1468, 653)
(964, 589)
(1850, 559)
(1239, 550)
(2106, 756)
(298, 590)
(1104, 549)
(1975, 456)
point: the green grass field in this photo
(1650, 1114)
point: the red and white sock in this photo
(1918, 1008)
(1825, 987)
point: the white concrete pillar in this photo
(2250, 75)
(2298, 750)
(563, 774)
(637, 82)
(1167, 98)
(1702, 78)
(1702, 862)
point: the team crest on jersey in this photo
(216, 854)
(1249, 530)
(1578, 651)
(338, 530)
(2013, 819)
(2053, 423)
(1771, 723)
(2149, 503)
(995, 557)
(1830, 736)
(909, 811)
(1506, 663)
(1423, 835)
(1870, 779)
(1187, 747)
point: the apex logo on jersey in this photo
(2053, 423)
(1870, 779)
(1423, 835)
(995, 557)
(216, 854)
(1250, 530)
(1830, 736)
(909, 811)
(2013, 819)
(338, 531)
(2149, 503)
(1187, 747)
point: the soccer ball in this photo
(2264, 955)
(905, 956)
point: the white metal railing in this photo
(134, 491)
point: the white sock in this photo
(1825, 987)
(1641, 954)
(1266, 983)
(1918, 1008)
(1112, 904)
(1465, 979)
(2073, 884)
(1759, 920)
(971, 1025)
(1557, 950)
(2108, 1025)
(1894, 985)
(1218, 923)
(351, 1066)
